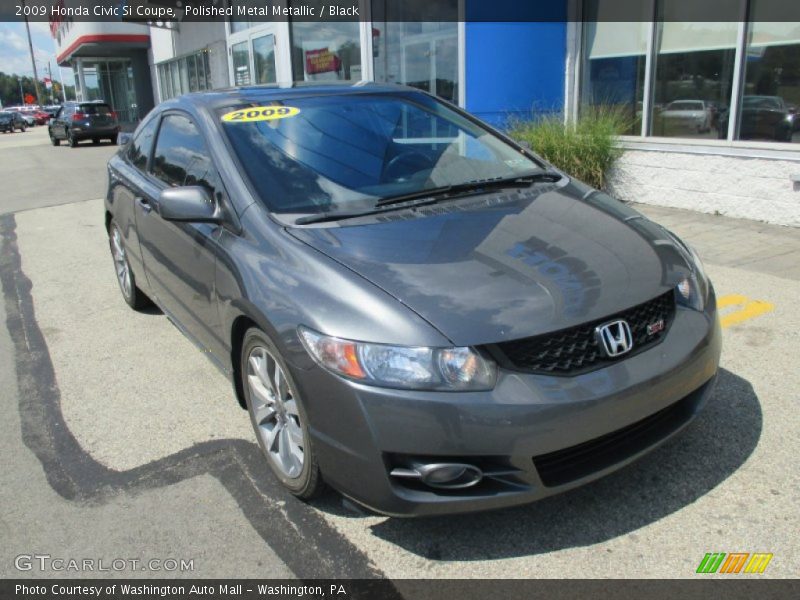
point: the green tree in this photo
(13, 87)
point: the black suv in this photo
(11, 120)
(78, 121)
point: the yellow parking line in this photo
(749, 308)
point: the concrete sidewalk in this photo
(738, 243)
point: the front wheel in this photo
(22, 128)
(278, 416)
(71, 140)
(54, 140)
(127, 282)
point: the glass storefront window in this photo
(241, 64)
(208, 83)
(183, 75)
(111, 81)
(325, 51)
(771, 90)
(693, 77)
(420, 54)
(614, 63)
(91, 80)
(691, 70)
(264, 58)
(176, 78)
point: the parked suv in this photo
(78, 121)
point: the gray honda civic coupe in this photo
(413, 308)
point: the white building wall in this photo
(161, 43)
(742, 187)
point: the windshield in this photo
(762, 102)
(346, 152)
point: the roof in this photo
(224, 97)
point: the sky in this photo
(15, 57)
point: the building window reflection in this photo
(694, 77)
(420, 54)
(327, 51)
(771, 90)
(692, 71)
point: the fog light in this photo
(442, 475)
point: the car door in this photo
(180, 258)
(130, 180)
(59, 125)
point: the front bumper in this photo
(544, 434)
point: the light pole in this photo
(61, 81)
(33, 62)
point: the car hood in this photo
(510, 265)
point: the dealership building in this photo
(713, 107)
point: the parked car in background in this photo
(52, 110)
(412, 307)
(26, 115)
(76, 121)
(683, 116)
(764, 118)
(11, 120)
(41, 116)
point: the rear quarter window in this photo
(141, 144)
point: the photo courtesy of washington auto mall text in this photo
(399, 299)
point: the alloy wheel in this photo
(275, 413)
(121, 262)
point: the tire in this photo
(279, 421)
(54, 140)
(135, 298)
(71, 140)
(114, 140)
(22, 128)
(95, 141)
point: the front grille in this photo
(576, 462)
(576, 350)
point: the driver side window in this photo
(181, 157)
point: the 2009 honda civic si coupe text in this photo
(413, 308)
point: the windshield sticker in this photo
(260, 113)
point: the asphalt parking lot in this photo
(121, 440)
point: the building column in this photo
(80, 92)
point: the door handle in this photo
(144, 204)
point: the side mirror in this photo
(124, 138)
(188, 204)
(524, 144)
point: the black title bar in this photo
(326, 11)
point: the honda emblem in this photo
(615, 338)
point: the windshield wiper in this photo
(352, 214)
(433, 195)
(478, 185)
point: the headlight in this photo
(693, 288)
(412, 367)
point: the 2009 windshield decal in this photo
(260, 113)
